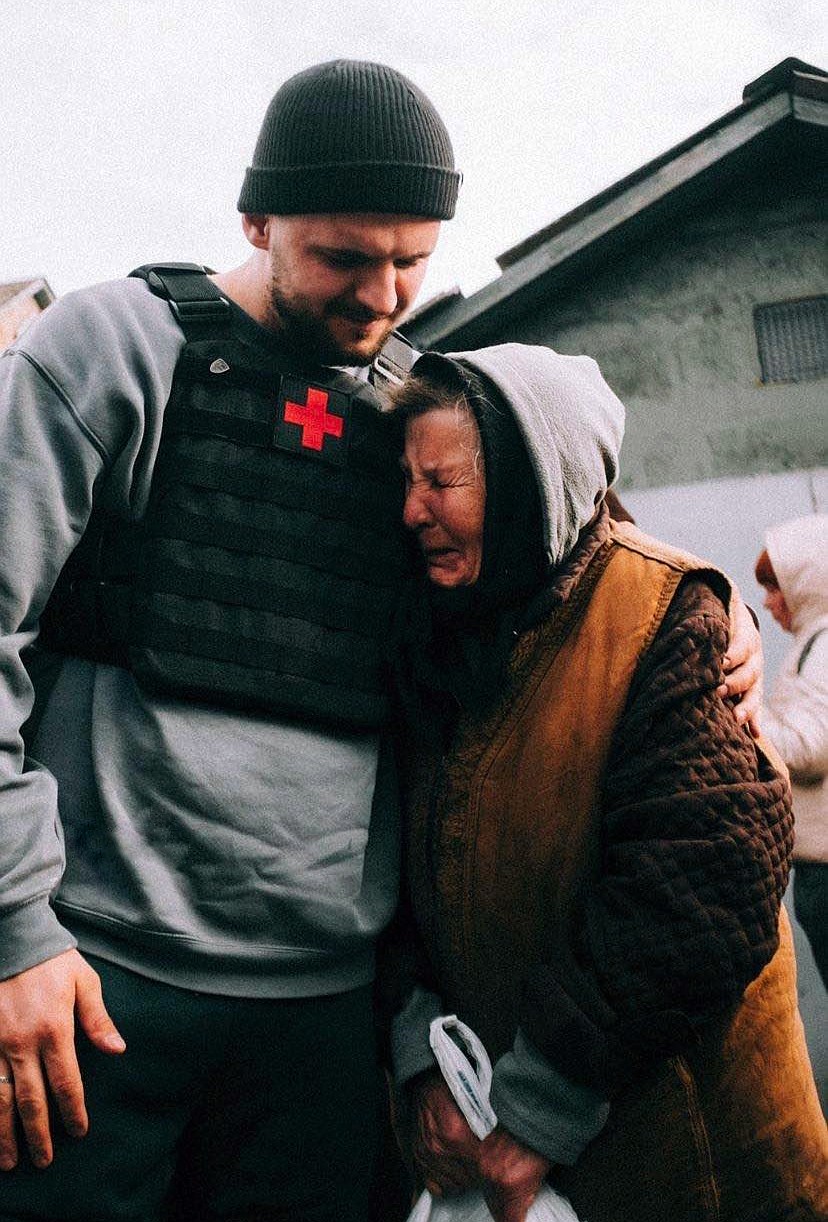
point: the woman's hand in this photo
(451, 1159)
(511, 1175)
(445, 1150)
(744, 665)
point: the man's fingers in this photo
(744, 633)
(744, 683)
(38, 1008)
(749, 706)
(33, 1110)
(8, 1141)
(93, 1016)
(742, 678)
(744, 667)
(66, 1086)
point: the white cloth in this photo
(796, 715)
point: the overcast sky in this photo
(125, 128)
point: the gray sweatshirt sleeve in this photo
(55, 401)
(531, 1099)
(47, 468)
(410, 1048)
(546, 1111)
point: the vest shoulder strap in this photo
(200, 308)
(394, 362)
(204, 313)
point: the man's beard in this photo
(309, 336)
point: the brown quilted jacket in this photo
(697, 838)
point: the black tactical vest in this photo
(266, 570)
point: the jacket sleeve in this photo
(48, 465)
(798, 724)
(697, 839)
(82, 395)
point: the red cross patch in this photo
(312, 420)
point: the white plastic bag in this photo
(470, 1084)
(548, 1206)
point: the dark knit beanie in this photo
(351, 136)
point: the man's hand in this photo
(444, 1148)
(37, 1051)
(744, 665)
(512, 1175)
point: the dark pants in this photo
(810, 893)
(221, 1108)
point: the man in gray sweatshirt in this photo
(198, 817)
(202, 824)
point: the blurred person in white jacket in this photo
(793, 569)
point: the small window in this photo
(792, 337)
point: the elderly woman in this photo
(596, 850)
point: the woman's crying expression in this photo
(445, 497)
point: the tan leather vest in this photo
(514, 836)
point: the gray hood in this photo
(572, 425)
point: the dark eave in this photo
(775, 105)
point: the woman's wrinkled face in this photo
(445, 497)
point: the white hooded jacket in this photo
(796, 715)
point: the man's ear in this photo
(255, 228)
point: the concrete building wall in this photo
(671, 325)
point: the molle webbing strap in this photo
(204, 313)
(263, 591)
(270, 578)
(207, 416)
(393, 365)
(197, 304)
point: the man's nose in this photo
(376, 290)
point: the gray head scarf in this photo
(572, 425)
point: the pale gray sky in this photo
(125, 128)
